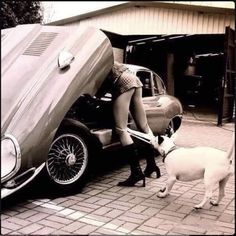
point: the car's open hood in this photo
(29, 65)
(35, 93)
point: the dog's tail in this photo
(231, 150)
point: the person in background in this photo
(126, 90)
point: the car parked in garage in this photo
(51, 118)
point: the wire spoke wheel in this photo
(67, 159)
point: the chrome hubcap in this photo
(70, 159)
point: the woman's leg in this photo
(138, 112)
(121, 113)
(140, 118)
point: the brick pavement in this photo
(103, 208)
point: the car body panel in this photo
(160, 107)
(36, 94)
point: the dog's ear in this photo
(160, 139)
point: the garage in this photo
(189, 44)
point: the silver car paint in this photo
(36, 94)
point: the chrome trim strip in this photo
(18, 156)
(6, 192)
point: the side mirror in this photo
(64, 59)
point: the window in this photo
(159, 87)
(145, 78)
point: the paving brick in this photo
(172, 213)
(103, 219)
(118, 206)
(152, 230)
(44, 231)
(65, 212)
(114, 213)
(68, 203)
(92, 199)
(153, 222)
(60, 220)
(5, 231)
(108, 196)
(150, 211)
(184, 232)
(53, 206)
(166, 226)
(88, 205)
(126, 198)
(10, 226)
(16, 233)
(30, 228)
(49, 223)
(4, 216)
(102, 210)
(226, 230)
(185, 209)
(45, 210)
(91, 221)
(104, 231)
(127, 227)
(224, 224)
(94, 192)
(103, 202)
(226, 217)
(136, 200)
(169, 217)
(37, 217)
(138, 209)
(114, 224)
(214, 232)
(10, 212)
(19, 221)
(82, 208)
(85, 230)
(73, 226)
(76, 215)
(61, 232)
(140, 232)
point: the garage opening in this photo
(193, 67)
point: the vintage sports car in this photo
(51, 118)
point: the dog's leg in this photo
(169, 184)
(207, 196)
(210, 182)
(222, 184)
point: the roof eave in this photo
(163, 4)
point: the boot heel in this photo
(149, 172)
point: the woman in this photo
(126, 89)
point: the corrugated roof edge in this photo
(163, 4)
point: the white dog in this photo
(188, 164)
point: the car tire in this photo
(68, 158)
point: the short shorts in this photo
(124, 83)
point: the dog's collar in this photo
(171, 150)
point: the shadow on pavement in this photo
(40, 188)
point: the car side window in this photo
(145, 78)
(159, 87)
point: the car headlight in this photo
(10, 157)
